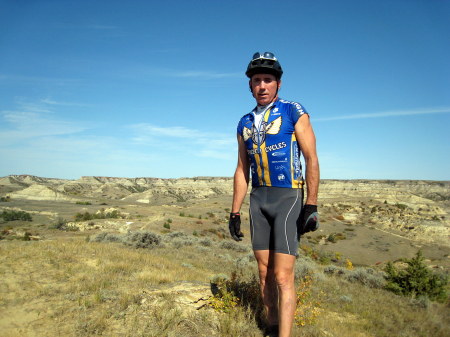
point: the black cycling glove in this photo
(309, 219)
(235, 226)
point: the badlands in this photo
(74, 270)
(368, 221)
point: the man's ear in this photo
(279, 84)
(250, 86)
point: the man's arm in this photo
(241, 176)
(307, 140)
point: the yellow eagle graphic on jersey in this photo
(259, 136)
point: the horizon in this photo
(207, 177)
(151, 89)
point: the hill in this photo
(75, 268)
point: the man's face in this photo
(264, 88)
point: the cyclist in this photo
(271, 139)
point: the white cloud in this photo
(52, 102)
(186, 141)
(392, 113)
(32, 120)
(36, 141)
(27, 125)
(150, 131)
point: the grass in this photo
(74, 287)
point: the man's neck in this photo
(262, 107)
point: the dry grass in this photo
(78, 288)
(71, 287)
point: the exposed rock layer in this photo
(148, 189)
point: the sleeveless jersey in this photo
(272, 146)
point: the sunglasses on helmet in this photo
(267, 55)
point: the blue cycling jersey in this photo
(272, 146)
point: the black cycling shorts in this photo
(274, 212)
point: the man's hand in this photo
(235, 226)
(309, 219)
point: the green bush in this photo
(416, 280)
(15, 215)
(86, 216)
(240, 289)
(401, 206)
(334, 237)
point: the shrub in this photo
(348, 264)
(107, 237)
(166, 225)
(416, 280)
(366, 276)
(238, 289)
(346, 299)
(401, 206)
(15, 215)
(321, 256)
(142, 240)
(233, 246)
(86, 216)
(115, 214)
(5, 199)
(308, 306)
(334, 270)
(305, 267)
(223, 299)
(334, 237)
(206, 242)
(83, 203)
(180, 242)
(60, 224)
(221, 233)
(174, 235)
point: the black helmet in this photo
(265, 63)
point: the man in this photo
(270, 141)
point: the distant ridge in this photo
(149, 189)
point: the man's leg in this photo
(285, 280)
(268, 285)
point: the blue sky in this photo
(156, 89)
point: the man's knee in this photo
(284, 278)
(265, 263)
